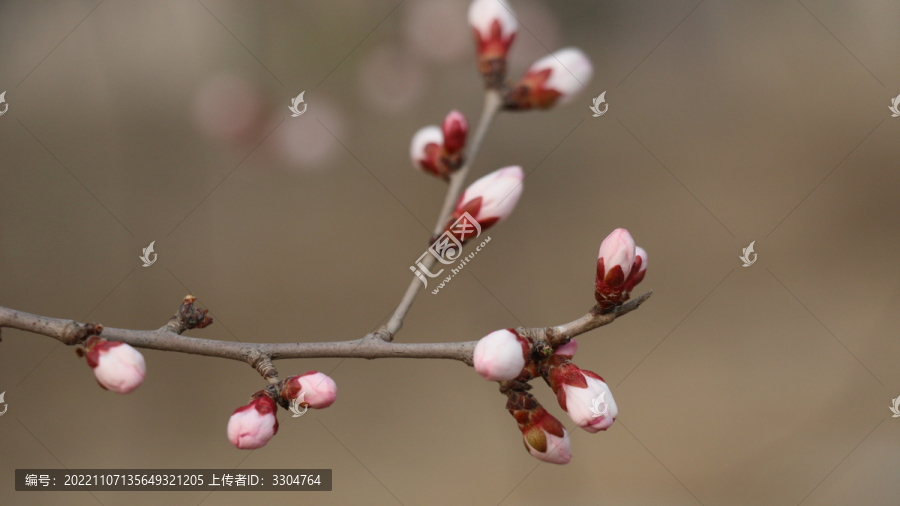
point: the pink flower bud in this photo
(455, 129)
(568, 349)
(546, 439)
(614, 266)
(617, 256)
(319, 391)
(117, 366)
(638, 269)
(582, 394)
(501, 355)
(492, 198)
(438, 150)
(425, 149)
(495, 29)
(557, 77)
(591, 407)
(253, 425)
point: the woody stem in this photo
(261, 355)
(492, 104)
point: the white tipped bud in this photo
(617, 250)
(253, 425)
(425, 148)
(319, 390)
(592, 408)
(117, 366)
(495, 29)
(492, 198)
(500, 355)
(571, 72)
(493, 20)
(554, 79)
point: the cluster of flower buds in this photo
(620, 266)
(439, 150)
(554, 79)
(253, 425)
(490, 199)
(513, 358)
(506, 356)
(117, 366)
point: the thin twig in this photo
(492, 104)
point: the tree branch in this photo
(374, 345)
(492, 104)
(261, 355)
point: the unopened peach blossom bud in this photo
(492, 198)
(253, 425)
(546, 439)
(117, 366)
(501, 355)
(592, 406)
(455, 129)
(425, 149)
(554, 79)
(319, 390)
(581, 393)
(494, 27)
(438, 150)
(617, 254)
(614, 267)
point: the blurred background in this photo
(729, 122)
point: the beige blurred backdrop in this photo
(729, 122)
